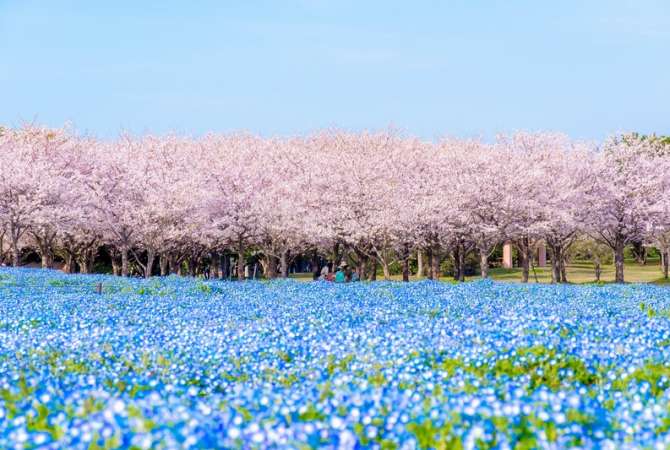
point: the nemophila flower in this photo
(368, 365)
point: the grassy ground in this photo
(577, 272)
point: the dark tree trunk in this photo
(525, 257)
(215, 266)
(639, 252)
(405, 263)
(420, 270)
(457, 258)
(429, 260)
(598, 270)
(618, 258)
(405, 270)
(362, 269)
(373, 270)
(435, 263)
(556, 258)
(192, 266)
(361, 265)
(564, 274)
(666, 263)
(225, 267)
(315, 265)
(336, 255)
(270, 267)
(175, 264)
(283, 263)
(461, 263)
(240, 262)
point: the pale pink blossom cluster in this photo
(164, 203)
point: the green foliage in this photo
(342, 365)
(203, 287)
(428, 435)
(656, 374)
(546, 367)
(377, 379)
(311, 414)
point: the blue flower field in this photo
(178, 362)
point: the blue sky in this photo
(464, 68)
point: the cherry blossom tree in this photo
(544, 194)
(625, 203)
(368, 198)
(35, 165)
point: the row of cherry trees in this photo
(163, 203)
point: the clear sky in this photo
(429, 68)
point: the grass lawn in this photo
(578, 272)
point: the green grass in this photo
(582, 272)
(579, 272)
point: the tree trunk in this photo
(639, 252)
(361, 266)
(124, 261)
(192, 266)
(116, 270)
(16, 254)
(598, 269)
(225, 267)
(405, 270)
(283, 263)
(151, 257)
(164, 264)
(373, 270)
(362, 269)
(269, 263)
(666, 263)
(435, 263)
(405, 263)
(385, 270)
(461, 264)
(484, 262)
(215, 266)
(429, 258)
(556, 258)
(14, 236)
(240, 262)
(618, 258)
(336, 255)
(419, 263)
(525, 256)
(457, 257)
(564, 274)
(69, 263)
(83, 262)
(175, 264)
(316, 270)
(46, 260)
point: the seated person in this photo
(340, 276)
